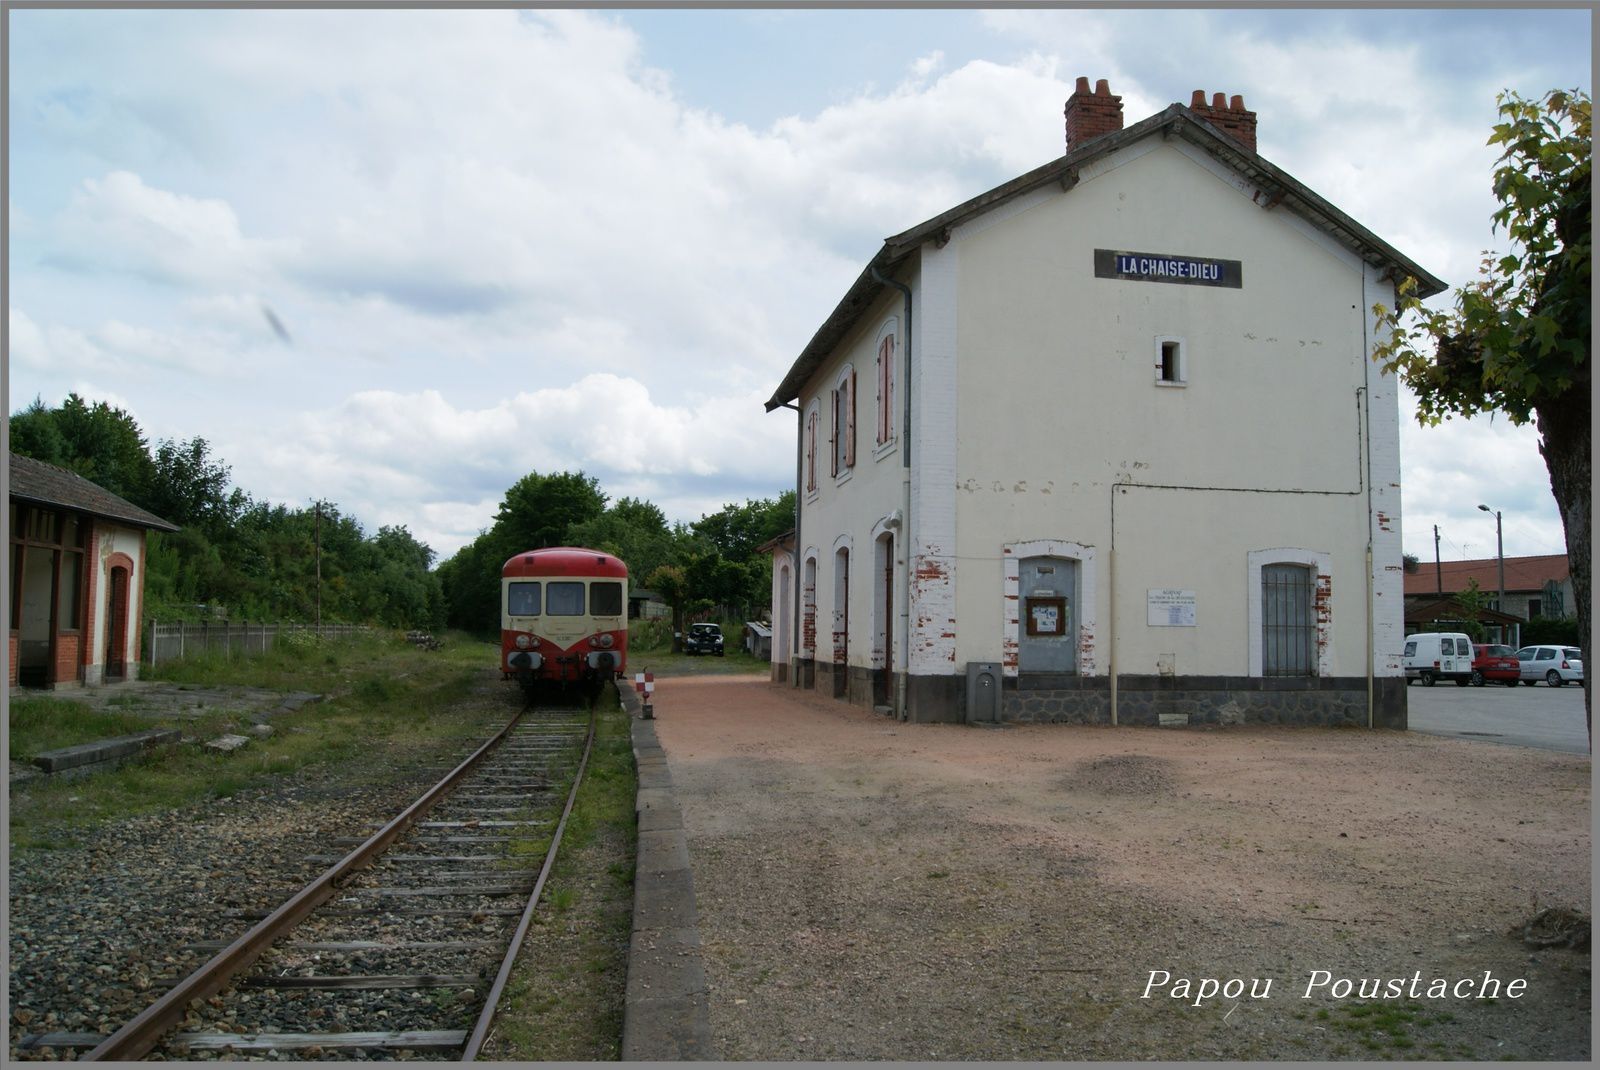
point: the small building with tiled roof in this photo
(77, 578)
(1537, 588)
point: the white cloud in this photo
(117, 222)
(482, 227)
(379, 448)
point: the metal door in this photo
(1047, 624)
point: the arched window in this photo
(1290, 612)
(813, 426)
(886, 378)
(844, 421)
(1288, 627)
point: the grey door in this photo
(1047, 624)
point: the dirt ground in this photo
(875, 890)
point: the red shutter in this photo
(850, 422)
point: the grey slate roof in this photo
(1176, 121)
(48, 484)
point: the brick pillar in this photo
(1228, 116)
(1089, 115)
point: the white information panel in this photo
(1168, 607)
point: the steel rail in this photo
(480, 1032)
(138, 1036)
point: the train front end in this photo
(563, 617)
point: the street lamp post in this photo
(1500, 558)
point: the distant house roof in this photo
(1448, 609)
(1175, 121)
(1522, 574)
(781, 542)
(49, 484)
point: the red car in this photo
(1494, 662)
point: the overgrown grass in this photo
(390, 708)
(1390, 1030)
(565, 998)
(44, 724)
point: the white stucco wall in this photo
(1059, 402)
(113, 539)
(867, 499)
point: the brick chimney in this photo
(1227, 116)
(1091, 114)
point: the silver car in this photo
(1555, 665)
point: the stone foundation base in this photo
(1141, 700)
(1327, 702)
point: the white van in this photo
(1431, 656)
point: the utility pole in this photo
(1438, 569)
(319, 564)
(1500, 558)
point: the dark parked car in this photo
(703, 639)
(1495, 662)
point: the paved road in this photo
(1550, 718)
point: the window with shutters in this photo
(843, 406)
(813, 428)
(886, 377)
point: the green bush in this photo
(1564, 632)
(650, 635)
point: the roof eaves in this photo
(1176, 120)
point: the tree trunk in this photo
(1564, 427)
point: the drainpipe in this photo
(907, 546)
(793, 653)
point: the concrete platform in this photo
(666, 1011)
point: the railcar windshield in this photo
(605, 599)
(565, 599)
(522, 599)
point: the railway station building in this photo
(77, 578)
(1106, 444)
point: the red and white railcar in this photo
(563, 617)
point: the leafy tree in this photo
(100, 443)
(735, 531)
(635, 531)
(538, 510)
(34, 434)
(1473, 602)
(1517, 339)
(190, 489)
(1412, 562)
(672, 585)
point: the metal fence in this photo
(183, 639)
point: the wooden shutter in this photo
(811, 451)
(850, 421)
(833, 439)
(886, 390)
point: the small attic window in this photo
(1171, 362)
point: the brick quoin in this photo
(66, 666)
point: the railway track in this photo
(401, 947)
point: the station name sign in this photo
(1168, 267)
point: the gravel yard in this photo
(875, 890)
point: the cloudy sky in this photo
(398, 259)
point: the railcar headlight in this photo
(604, 642)
(524, 642)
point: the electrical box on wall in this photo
(983, 692)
